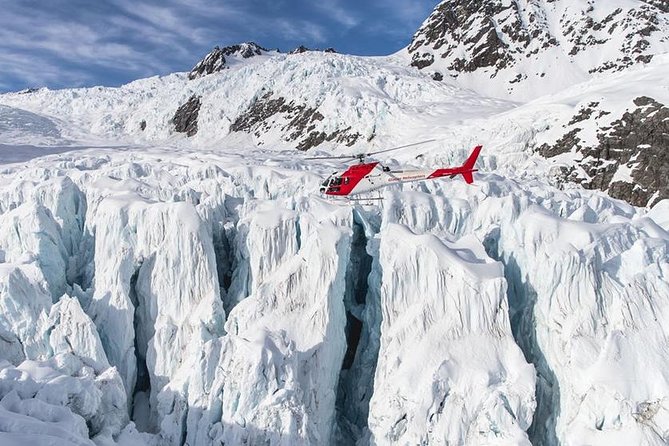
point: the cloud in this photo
(55, 46)
(63, 43)
(299, 30)
(341, 15)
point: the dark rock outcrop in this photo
(475, 26)
(469, 35)
(637, 143)
(303, 49)
(244, 50)
(212, 63)
(185, 118)
(299, 50)
(300, 122)
(216, 60)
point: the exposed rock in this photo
(464, 36)
(631, 160)
(477, 28)
(584, 113)
(437, 76)
(245, 50)
(301, 123)
(215, 61)
(299, 50)
(212, 63)
(570, 141)
(142, 125)
(303, 49)
(421, 61)
(260, 111)
(185, 118)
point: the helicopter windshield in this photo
(333, 182)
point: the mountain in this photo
(216, 60)
(170, 275)
(528, 48)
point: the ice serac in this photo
(24, 306)
(60, 384)
(42, 222)
(156, 300)
(593, 316)
(265, 239)
(272, 379)
(448, 368)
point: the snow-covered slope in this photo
(301, 100)
(527, 48)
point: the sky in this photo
(74, 43)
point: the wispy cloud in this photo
(343, 16)
(61, 43)
(299, 29)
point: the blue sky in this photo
(70, 43)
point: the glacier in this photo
(186, 303)
(163, 290)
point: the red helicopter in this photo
(366, 177)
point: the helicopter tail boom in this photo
(466, 170)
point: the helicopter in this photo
(366, 177)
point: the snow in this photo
(624, 174)
(564, 43)
(171, 243)
(160, 290)
(448, 368)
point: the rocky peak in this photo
(244, 50)
(473, 35)
(216, 60)
(303, 49)
(299, 50)
(512, 40)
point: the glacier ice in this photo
(156, 298)
(448, 370)
(196, 293)
(420, 321)
(272, 378)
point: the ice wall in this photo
(591, 304)
(56, 380)
(272, 378)
(449, 371)
(156, 300)
(421, 320)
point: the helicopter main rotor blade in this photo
(400, 147)
(331, 157)
(362, 156)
